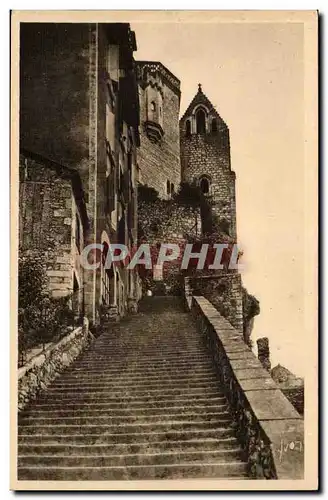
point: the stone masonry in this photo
(159, 155)
(79, 108)
(52, 221)
(167, 222)
(205, 157)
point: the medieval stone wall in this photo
(54, 104)
(48, 219)
(168, 222)
(206, 155)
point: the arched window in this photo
(214, 126)
(153, 106)
(168, 187)
(200, 122)
(204, 185)
(188, 128)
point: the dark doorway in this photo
(204, 185)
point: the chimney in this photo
(263, 352)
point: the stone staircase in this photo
(143, 402)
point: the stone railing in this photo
(42, 369)
(268, 427)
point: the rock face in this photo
(143, 402)
(290, 385)
(263, 352)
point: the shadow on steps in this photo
(160, 303)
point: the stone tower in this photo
(159, 152)
(205, 158)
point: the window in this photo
(77, 233)
(168, 187)
(153, 106)
(172, 188)
(200, 122)
(204, 185)
(188, 128)
(214, 126)
(121, 230)
(76, 297)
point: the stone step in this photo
(159, 344)
(130, 448)
(125, 419)
(177, 362)
(85, 378)
(157, 402)
(123, 428)
(131, 371)
(145, 344)
(133, 354)
(146, 410)
(133, 388)
(111, 396)
(157, 352)
(173, 457)
(126, 438)
(228, 470)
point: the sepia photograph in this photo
(164, 254)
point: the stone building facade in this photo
(205, 158)
(159, 155)
(79, 108)
(52, 222)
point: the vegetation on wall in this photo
(41, 318)
(147, 194)
(152, 223)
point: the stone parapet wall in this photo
(268, 426)
(42, 369)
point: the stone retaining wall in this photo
(41, 370)
(267, 425)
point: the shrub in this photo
(147, 194)
(41, 318)
(190, 194)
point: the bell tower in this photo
(205, 158)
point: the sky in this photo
(254, 74)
